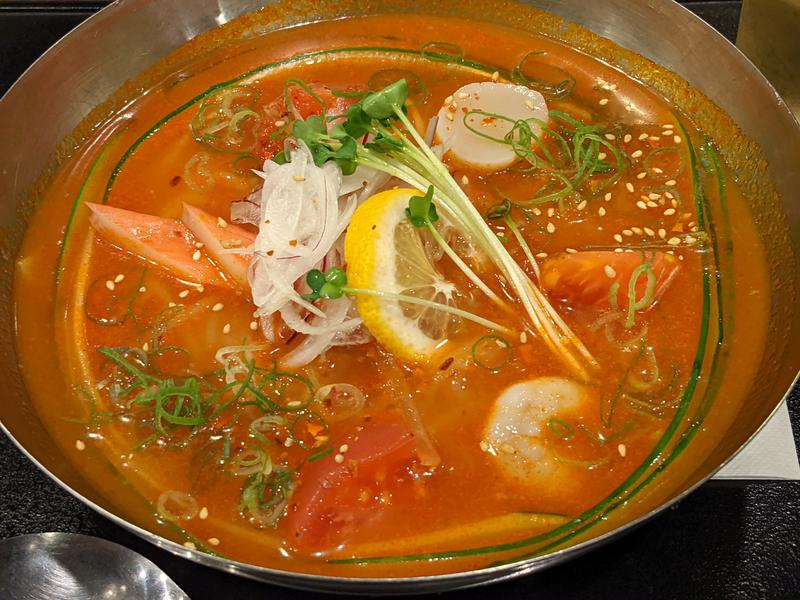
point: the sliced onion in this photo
(196, 174)
(301, 218)
(247, 210)
(428, 455)
(177, 506)
(339, 401)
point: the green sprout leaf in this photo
(421, 210)
(383, 104)
(499, 211)
(328, 285)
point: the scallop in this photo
(515, 426)
(512, 102)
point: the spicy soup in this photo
(309, 300)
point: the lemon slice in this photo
(385, 252)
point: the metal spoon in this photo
(56, 566)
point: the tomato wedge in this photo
(334, 498)
(585, 278)
(303, 105)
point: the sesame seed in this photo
(602, 155)
(643, 137)
(213, 541)
(657, 170)
(571, 251)
(110, 285)
(298, 178)
(670, 196)
(541, 255)
(636, 154)
(142, 290)
(550, 228)
(201, 288)
(119, 278)
(652, 204)
(618, 250)
(465, 180)
(607, 197)
(622, 450)
(627, 232)
(495, 76)
(484, 446)
(287, 443)
(523, 338)
(609, 271)
(196, 256)
(146, 347)
(344, 448)
(641, 205)
(671, 183)
(339, 458)
(677, 139)
(603, 101)
(637, 230)
(649, 232)
(628, 137)
(222, 222)
(674, 241)
(667, 132)
(641, 175)
(203, 514)
(629, 187)
(669, 212)
(253, 325)
(190, 545)
(662, 233)
(217, 307)
(653, 196)
(618, 238)
(654, 138)
(183, 293)
(689, 239)
(226, 329)
(582, 204)
(551, 211)
(601, 211)
(537, 212)
(610, 137)
(280, 123)
(171, 304)
(80, 445)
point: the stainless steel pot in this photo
(88, 65)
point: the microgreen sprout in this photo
(502, 211)
(422, 212)
(333, 285)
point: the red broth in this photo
(313, 487)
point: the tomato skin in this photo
(581, 279)
(329, 503)
(304, 106)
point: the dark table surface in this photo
(727, 540)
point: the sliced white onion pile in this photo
(301, 218)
